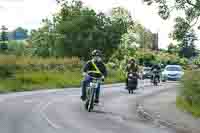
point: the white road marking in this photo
(29, 101)
(43, 114)
(43, 108)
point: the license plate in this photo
(93, 85)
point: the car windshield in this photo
(173, 69)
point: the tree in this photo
(187, 48)
(79, 26)
(172, 49)
(145, 36)
(86, 30)
(43, 40)
(183, 23)
(76, 30)
(4, 38)
(123, 16)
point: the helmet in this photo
(132, 60)
(96, 53)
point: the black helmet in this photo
(132, 60)
(96, 53)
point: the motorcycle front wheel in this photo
(91, 101)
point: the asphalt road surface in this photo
(61, 111)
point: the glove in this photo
(84, 74)
(103, 78)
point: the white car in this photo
(172, 72)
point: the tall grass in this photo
(189, 98)
(8, 59)
(47, 61)
(27, 60)
(33, 73)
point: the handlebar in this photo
(95, 78)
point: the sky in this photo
(29, 13)
(25, 13)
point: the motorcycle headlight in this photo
(131, 75)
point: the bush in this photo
(197, 62)
(7, 66)
(186, 106)
(17, 48)
(190, 92)
(115, 75)
(112, 65)
(191, 85)
(7, 71)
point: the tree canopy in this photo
(185, 23)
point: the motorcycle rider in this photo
(157, 68)
(97, 67)
(131, 67)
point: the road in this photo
(61, 111)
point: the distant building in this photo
(155, 42)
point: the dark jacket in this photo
(132, 68)
(156, 67)
(100, 65)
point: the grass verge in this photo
(184, 105)
(189, 98)
(38, 80)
